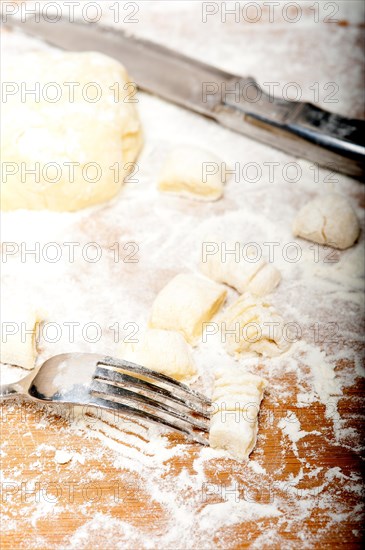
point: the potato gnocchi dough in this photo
(185, 304)
(164, 351)
(242, 273)
(252, 325)
(236, 403)
(84, 140)
(192, 172)
(19, 333)
(328, 219)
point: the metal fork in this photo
(112, 384)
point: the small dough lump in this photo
(328, 219)
(80, 132)
(192, 172)
(244, 273)
(252, 325)
(185, 304)
(164, 351)
(19, 333)
(236, 403)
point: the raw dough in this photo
(164, 351)
(105, 133)
(235, 407)
(185, 303)
(252, 325)
(19, 333)
(265, 280)
(192, 172)
(63, 457)
(237, 270)
(328, 219)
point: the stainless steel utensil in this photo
(103, 382)
(300, 129)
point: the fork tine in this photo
(111, 385)
(110, 404)
(107, 389)
(171, 382)
(125, 380)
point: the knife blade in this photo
(300, 129)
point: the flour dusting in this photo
(136, 485)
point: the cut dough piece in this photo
(82, 138)
(185, 304)
(164, 351)
(192, 172)
(328, 219)
(234, 421)
(249, 403)
(234, 377)
(265, 280)
(232, 432)
(19, 334)
(252, 325)
(237, 271)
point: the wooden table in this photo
(34, 481)
(92, 501)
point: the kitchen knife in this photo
(300, 129)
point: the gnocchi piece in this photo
(76, 139)
(265, 280)
(234, 434)
(192, 172)
(164, 351)
(241, 273)
(231, 377)
(185, 304)
(328, 219)
(19, 333)
(235, 407)
(252, 325)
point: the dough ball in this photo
(240, 271)
(81, 137)
(328, 219)
(19, 334)
(235, 407)
(192, 172)
(252, 325)
(164, 351)
(185, 303)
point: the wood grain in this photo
(24, 427)
(47, 505)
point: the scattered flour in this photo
(290, 427)
(199, 494)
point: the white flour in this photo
(200, 501)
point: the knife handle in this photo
(301, 129)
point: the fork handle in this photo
(8, 391)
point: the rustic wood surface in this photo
(38, 478)
(44, 503)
